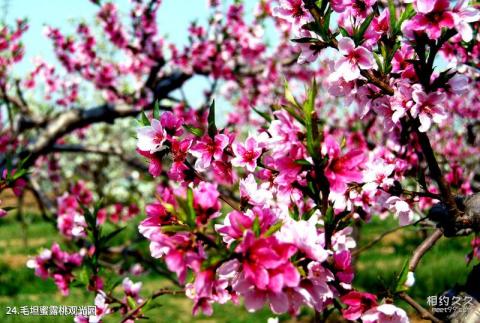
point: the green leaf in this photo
(407, 14)
(264, 115)
(274, 228)
(89, 217)
(233, 246)
(326, 23)
(144, 120)
(23, 161)
(329, 216)
(344, 32)
(313, 26)
(303, 162)
(294, 214)
(256, 227)
(212, 128)
(190, 209)
(131, 302)
(211, 261)
(289, 96)
(156, 110)
(379, 62)
(294, 114)
(393, 14)
(83, 277)
(18, 174)
(309, 213)
(358, 37)
(313, 142)
(402, 278)
(305, 40)
(174, 228)
(193, 130)
(112, 234)
(150, 305)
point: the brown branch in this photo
(133, 162)
(436, 172)
(424, 313)
(422, 249)
(381, 236)
(70, 120)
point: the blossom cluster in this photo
(57, 264)
(283, 241)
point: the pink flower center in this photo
(249, 156)
(353, 57)
(297, 10)
(158, 139)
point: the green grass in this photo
(442, 268)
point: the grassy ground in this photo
(442, 268)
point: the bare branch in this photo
(424, 313)
(422, 249)
(133, 162)
(70, 120)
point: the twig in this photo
(383, 235)
(156, 294)
(424, 313)
(133, 162)
(426, 245)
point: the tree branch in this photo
(422, 249)
(424, 313)
(71, 120)
(133, 162)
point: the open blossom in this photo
(354, 59)
(71, 221)
(358, 303)
(207, 290)
(306, 237)
(308, 50)
(253, 193)
(428, 108)
(385, 313)
(178, 252)
(432, 17)
(132, 289)
(266, 263)
(246, 155)
(151, 138)
(57, 264)
(463, 15)
(236, 223)
(378, 175)
(342, 169)
(293, 11)
(354, 8)
(18, 185)
(171, 123)
(101, 308)
(207, 149)
(401, 209)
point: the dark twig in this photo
(156, 294)
(422, 249)
(424, 313)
